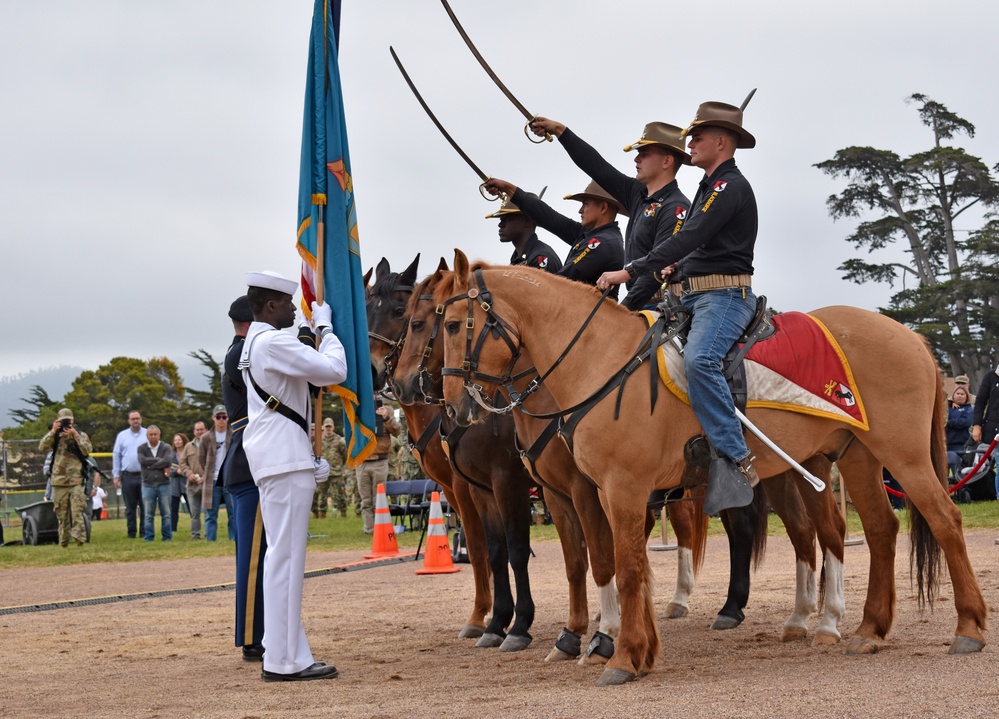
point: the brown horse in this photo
(893, 370)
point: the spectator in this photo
(155, 458)
(959, 416)
(374, 470)
(97, 496)
(335, 452)
(211, 453)
(70, 449)
(190, 468)
(178, 480)
(962, 380)
(126, 471)
(986, 416)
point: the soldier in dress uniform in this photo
(251, 539)
(595, 242)
(655, 206)
(335, 452)
(713, 279)
(69, 449)
(518, 229)
(278, 370)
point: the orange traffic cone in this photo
(437, 559)
(383, 542)
(104, 511)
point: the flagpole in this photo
(317, 439)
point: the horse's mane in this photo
(445, 288)
(385, 285)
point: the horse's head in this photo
(386, 309)
(481, 342)
(417, 376)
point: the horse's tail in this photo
(699, 533)
(762, 507)
(924, 550)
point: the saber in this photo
(809, 477)
(748, 98)
(531, 117)
(447, 136)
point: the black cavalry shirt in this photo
(651, 217)
(593, 251)
(719, 235)
(537, 254)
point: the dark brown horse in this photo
(893, 370)
(487, 481)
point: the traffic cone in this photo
(104, 511)
(437, 559)
(383, 542)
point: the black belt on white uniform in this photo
(273, 403)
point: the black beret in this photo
(239, 310)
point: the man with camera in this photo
(69, 448)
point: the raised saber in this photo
(748, 98)
(531, 117)
(447, 136)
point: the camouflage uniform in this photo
(409, 468)
(335, 452)
(67, 484)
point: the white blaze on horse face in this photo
(684, 577)
(610, 609)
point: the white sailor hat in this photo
(271, 281)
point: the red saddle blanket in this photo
(801, 368)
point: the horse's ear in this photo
(367, 277)
(442, 265)
(381, 270)
(460, 271)
(408, 277)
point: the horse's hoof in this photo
(471, 631)
(515, 643)
(614, 677)
(825, 639)
(676, 611)
(723, 622)
(859, 646)
(489, 641)
(966, 645)
(557, 655)
(793, 634)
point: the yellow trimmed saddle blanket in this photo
(800, 369)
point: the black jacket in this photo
(651, 217)
(987, 406)
(235, 469)
(719, 234)
(593, 251)
(537, 254)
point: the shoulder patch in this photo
(593, 244)
(681, 212)
(720, 185)
(542, 261)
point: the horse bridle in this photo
(501, 329)
(395, 346)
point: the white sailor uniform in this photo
(280, 456)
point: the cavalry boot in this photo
(727, 486)
(746, 467)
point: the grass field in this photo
(110, 544)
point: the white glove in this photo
(322, 316)
(322, 469)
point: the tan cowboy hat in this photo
(508, 208)
(596, 192)
(720, 114)
(661, 133)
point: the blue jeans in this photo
(151, 497)
(212, 515)
(719, 317)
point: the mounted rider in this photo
(713, 278)
(596, 243)
(652, 200)
(518, 229)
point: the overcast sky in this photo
(150, 150)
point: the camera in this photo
(65, 423)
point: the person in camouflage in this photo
(406, 465)
(334, 452)
(69, 447)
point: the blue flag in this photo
(326, 200)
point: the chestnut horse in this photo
(506, 309)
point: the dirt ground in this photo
(393, 636)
